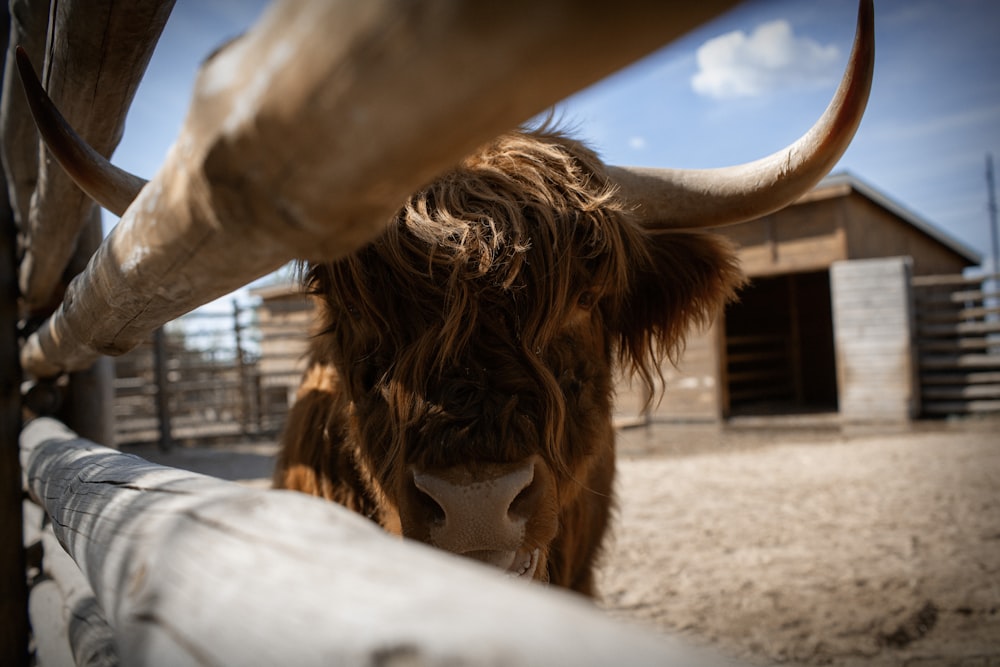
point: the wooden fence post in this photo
(13, 586)
(92, 76)
(162, 389)
(244, 388)
(88, 407)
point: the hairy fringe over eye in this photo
(514, 234)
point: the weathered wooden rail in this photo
(192, 570)
(271, 167)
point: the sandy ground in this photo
(801, 546)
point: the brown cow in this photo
(459, 389)
(460, 384)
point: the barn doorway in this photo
(779, 347)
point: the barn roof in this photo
(842, 183)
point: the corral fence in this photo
(274, 162)
(958, 343)
(214, 375)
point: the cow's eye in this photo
(571, 386)
(587, 299)
(352, 310)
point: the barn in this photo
(799, 341)
(825, 325)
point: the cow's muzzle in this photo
(481, 512)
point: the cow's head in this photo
(475, 340)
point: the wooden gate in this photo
(212, 375)
(958, 343)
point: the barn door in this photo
(779, 347)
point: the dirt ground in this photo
(814, 546)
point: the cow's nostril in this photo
(524, 503)
(431, 509)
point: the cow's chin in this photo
(521, 563)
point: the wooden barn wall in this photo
(874, 232)
(805, 237)
(691, 391)
(872, 323)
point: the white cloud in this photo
(772, 57)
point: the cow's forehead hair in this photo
(512, 234)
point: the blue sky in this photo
(734, 90)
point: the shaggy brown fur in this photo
(483, 327)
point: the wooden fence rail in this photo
(68, 625)
(192, 570)
(958, 341)
(296, 144)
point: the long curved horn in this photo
(676, 199)
(109, 186)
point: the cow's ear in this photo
(684, 281)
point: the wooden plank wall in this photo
(958, 338)
(872, 324)
(691, 389)
(806, 236)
